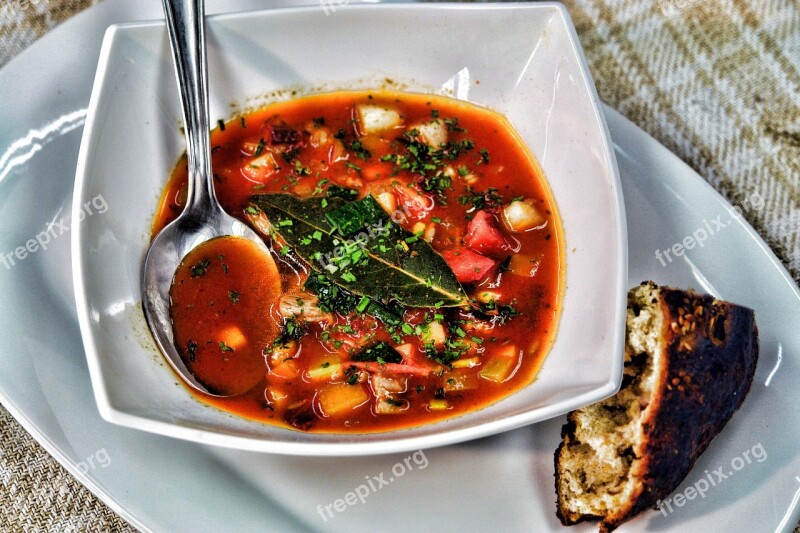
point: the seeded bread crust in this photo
(710, 357)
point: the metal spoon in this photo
(202, 218)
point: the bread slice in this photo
(689, 363)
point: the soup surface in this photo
(416, 269)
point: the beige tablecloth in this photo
(715, 81)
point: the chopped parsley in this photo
(358, 149)
(355, 167)
(300, 169)
(200, 268)
(224, 347)
(191, 349)
(260, 147)
(488, 199)
(381, 352)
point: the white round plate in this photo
(500, 483)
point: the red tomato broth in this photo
(534, 285)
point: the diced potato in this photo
(341, 398)
(500, 368)
(384, 385)
(433, 133)
(233, 337)
(435, 333)
(302, 305)
(283, 352)
(418, 227)
(430, 232)
(486, 297)
(284, 369)
(521, 216)
(406, 350)
(325, 372)
(387, 201)
(471, 178)
(260, 168)
(374, 118)
(523, 265)
(438, 405)
(466, 363)
(281, 362)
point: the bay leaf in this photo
(357, 246)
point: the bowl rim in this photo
(372, 443)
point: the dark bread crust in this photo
(711, 356)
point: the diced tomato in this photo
(483, 236)
(468, 266)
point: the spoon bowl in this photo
(203, 218)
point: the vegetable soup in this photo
(416, 273)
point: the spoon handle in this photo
(186, 29)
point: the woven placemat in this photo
(38, 494)
(716, 81)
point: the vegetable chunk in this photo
(468, 266)
(374, 118)
(484, 237)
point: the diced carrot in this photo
(233, 337)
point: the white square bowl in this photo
(522, 60)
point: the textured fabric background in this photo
(716, 81)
